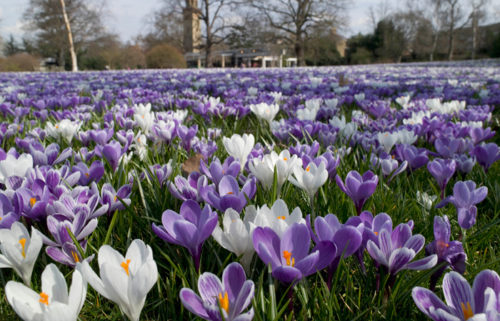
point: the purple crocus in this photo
(90, 174)
(346, 238)
(465, 197)
(7, 213)
(231, 296)
(416, 157)
(289, 256)
(442, 170)
(216, 170)
(358, 188)
(228, 194)
(397, 248)
(190, 228)
(189, 188)
(486, 154)
(481, 302)
(451, 252)
(115, 198)
(112, 153)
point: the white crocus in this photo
(236, 236)
(263, 168)
(124, 280)
(12, 166)
(277, 217)
(239, 147)
(387, 140)
(309, 179)
(425, 200)
(65, 129)
(19, 250)
(54, 303)
(143, 117)
(405, 136)
(265, 111)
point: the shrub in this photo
(20, 62)
(165, 56)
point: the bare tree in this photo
(296, 18)
(477, 14)
(454, 15)
(74, 63)
(47, 27)
(379, 13)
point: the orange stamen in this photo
(467, 310)
(75, 257)
(23, 245)
(288, 255)
(32, 201)
(308, 168)
(124, 265)
(224, 302)
(44, 298)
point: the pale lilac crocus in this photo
(358, 188)
(289, 255)
(231, 296)
(442, 170)
(465, 197)
(190, 228)
(463, 302)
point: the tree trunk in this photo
(451, 42)
(299, 50)
(474, 34)
(74, 64)
(434, 46)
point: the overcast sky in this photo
(128, 18)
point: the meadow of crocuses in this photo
(342, 193)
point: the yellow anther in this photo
(32, 201)
(116, 198)
(75, 257)
(467, 310)
(229, 193)
(224, 301)
(87, 175)
(288, 255)
(124, 265)
(308, 168)
(23, 245)
(376, 233)
(285, 159)
(44, 298)
(57, 126)
(281, 217)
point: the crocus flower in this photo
(442, 170)
(239, 147)
(228, 194)
(263, 168)
(396, 249)
(309, 179)
(346, 239)
(265, 111)
(124, 280)
(15, 166)
(19, 250)
(231, 296)
(190, 228)
(465, 197)
(481, 302)
(190, 188)
(114, 198)
(277, 217)
(216, 170)
(486, 154)
(65, 129)
(8, 215)
(289, 255)
(451, 252)
(387, 140)
(112, 153)
(236, 236)
(416, 157)
(54, 303)
(358, 188)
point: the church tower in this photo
(192, 32)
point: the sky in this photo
(128, 18)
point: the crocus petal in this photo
(193, 303)
(457, 291)
(426, 299)
(485, 279)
